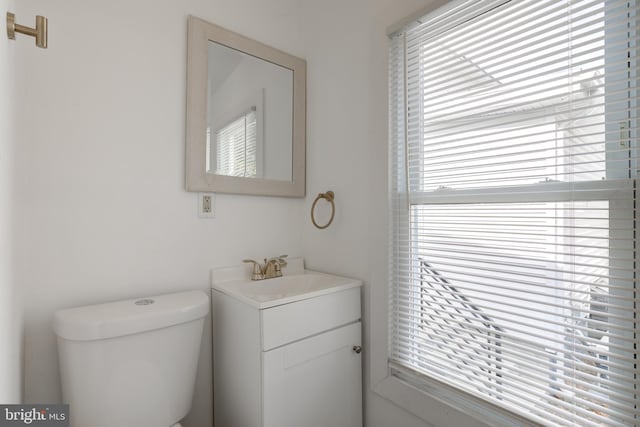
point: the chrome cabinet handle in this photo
(357, 349)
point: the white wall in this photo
(103, 214)
(10, 303)
(347, 151)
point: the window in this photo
(236, 147)
(514, 165)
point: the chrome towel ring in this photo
(329, 196)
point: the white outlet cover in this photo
(201, 212)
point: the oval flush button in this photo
(145, 301)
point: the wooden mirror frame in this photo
(200, 32)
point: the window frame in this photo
(433, 401)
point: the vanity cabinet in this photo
(295, 364)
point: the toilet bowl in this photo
(131, 363)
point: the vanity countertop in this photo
(296, 284)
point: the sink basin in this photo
(281, 290)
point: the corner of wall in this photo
(11, 323)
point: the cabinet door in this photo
(315, 382)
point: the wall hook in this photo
(40, 32)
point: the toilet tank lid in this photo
(114, 319)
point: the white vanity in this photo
(286, 351)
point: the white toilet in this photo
(131, 363)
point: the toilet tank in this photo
(131, 363)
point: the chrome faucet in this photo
(271, 268)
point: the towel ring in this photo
(329, 196)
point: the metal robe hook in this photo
(40, 32)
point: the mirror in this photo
(246, 115)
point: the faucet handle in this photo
(257, 273)
(278, 263)
(280, 259)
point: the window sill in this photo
(440, 407)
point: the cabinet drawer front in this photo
(290, 322)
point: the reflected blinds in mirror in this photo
(237, 147)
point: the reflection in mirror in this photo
(246, 115)
(249, 116)
(233, 149)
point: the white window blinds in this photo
(236, 145)
(514, 132)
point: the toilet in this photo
(131, 363)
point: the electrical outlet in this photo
(206, 205)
